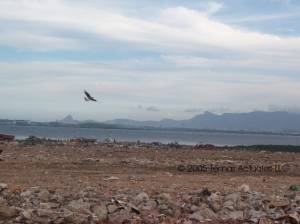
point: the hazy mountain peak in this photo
(69, 120)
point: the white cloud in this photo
(59, 85)
(176, 28)
(38, 42)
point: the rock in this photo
(215, 201)
(244, 188)
(194, 208)
(297, 199)
(234, 197)
(120, 217)
(44, 212)
(79, 205)
(41, 220)
(240, 205)
(294, 217)
(229, 205)
(100, 211)
(197, 216)
(265, 220)
(141, 198)
(203, 214)
(149, 205)
(255, 215)
(279, 202)
(44, 195)
(166, 210)
(165, 197)
(67, 215)
(3, 186)
(7, 212)
(27, 214)
(236, 215)
(49, 205)
(26, 194)
(111, 208)
(204, 193)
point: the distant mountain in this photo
(254, 121)
(69, 120)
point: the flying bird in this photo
(88, 97)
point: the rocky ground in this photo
(63, 182)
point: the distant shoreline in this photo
(120, 127)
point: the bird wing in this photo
(87, 94)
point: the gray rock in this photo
(141, 198)
(27, 213)
(76, 205)
(41, 220)
(100, 211)
(229, 205)
(67, 215)
(232, 197)
(194, 208)
(3, 186)
(203, 214)
(166, 210)
(149, 205)
(215, 202)
(44, 195)
(244, 188)
(111, 208)
(49, 205)
(197, 216)
(26, 194)
(240, 205)
(7, 212)
(255, 215)
(44, 212)
(120, 217)
(165, 197)
(236, 215)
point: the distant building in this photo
(22, 122)
(6, 122)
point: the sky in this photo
(147, 60)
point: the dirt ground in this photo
(146, 167)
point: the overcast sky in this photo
(147, 59)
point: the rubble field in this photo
(65, 182)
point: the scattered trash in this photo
(7, 138)
(294, 187)
(111, 178)
(84, 141)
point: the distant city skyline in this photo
(147, 60)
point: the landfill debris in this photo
(111, 178)
(41, 205)
(7, 138)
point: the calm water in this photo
(183, 137)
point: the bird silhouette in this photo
(88, 97)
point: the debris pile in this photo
(7, 138)
(83, 141)
(92, 206)
(33, 140)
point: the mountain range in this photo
(279, 121)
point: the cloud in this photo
(265, 17)
(38, 42)
(193, 110)
(152, 109)
(39, 86)
(174, 29)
